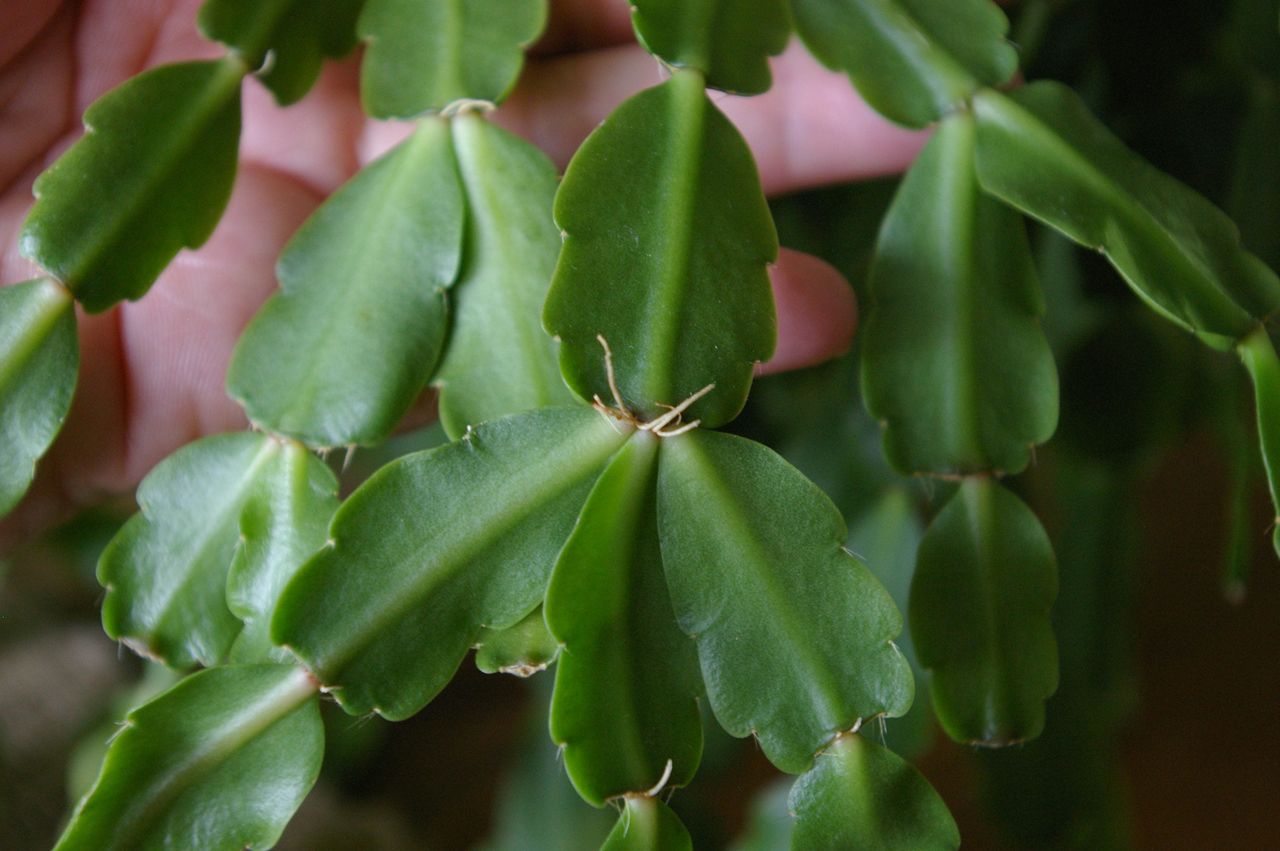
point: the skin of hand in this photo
(152, 372)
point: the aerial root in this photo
(619, 410)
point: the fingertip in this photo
(817, 312)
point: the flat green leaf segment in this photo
(39, 359)
(284, 520)
(499, 360)
(667, 240)
(285, 40)
(913, 61)
(793, 633)
(422, 55)
(435, 546)
(166, 571)
(954, 362)
(981, 598)
(523, 649)
(862, 795)
(220, 761)
(729, 41)
(1259, 357)
(625, 705)
(647, 824)
(1041, 150)
(151, 176)
(339, 355)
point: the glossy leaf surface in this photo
(625, 702)
(286, 40)
(166, 571)
(862, 795)
(523, 649)
(499, 360)
(980, 616)
(39, 358)
(913, 61)
(1259, 357)
(423, 56)
(667, 239)
(729, 41)
(954, 361)
(793, 633)
(151, 176)
(220, 761)
(339, 355)
(1041, 150)
(284, 520)
(435, 546)
(647, 824)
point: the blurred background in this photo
(1165, 730)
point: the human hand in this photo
(152, 372)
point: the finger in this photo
(576, 25)
(35, 102)
(809, 129)
(817, 312)
(22, 23)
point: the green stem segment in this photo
(1259, 357)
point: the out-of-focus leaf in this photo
(729, 41)
(151, 175)
(499, 360)
(1251, 37)
(625, 706)
(284, 520)
(523, 649)
(647, 824)
(220, 761)
(435, 546)
(166, 571)
(912, 60)
(861, 795)
(339, 355)
(1041, 150)
(667, 240)
(770, 824)
(1259, 357)
(1066, 789)
(953, 358)
(39, 357)
(286, 40)
(980, 616)
(1254, 201)
(423, 56)
(536, 806)
(793, 633)
(886, 537)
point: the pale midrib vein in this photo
(259, 40)
(979, 498)
(500, 256)
(434, 573)
(962, 218)
(739, 529)
(450, 65)
(195, 554)
(212, 101)
(352, 274)
(1047, 139)
(35, 325)
(255, 720)
(665, 302)
(883, 17)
